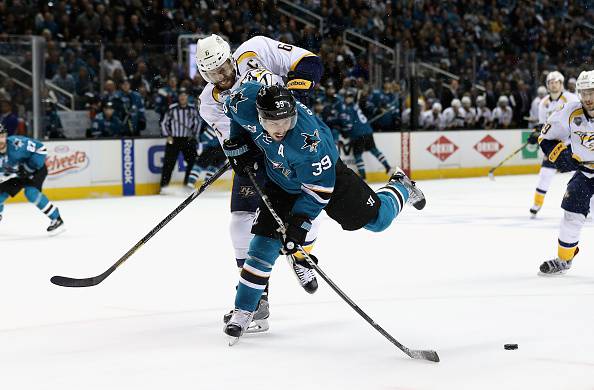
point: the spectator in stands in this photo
(110, 64)
(109, 91)
(106, 124)
(82, 85)
(450, 93)
(541, 92)
(502, 114)
(88, 21)
(166, 96)
(571, 85)
(520, 102)
(64, 80)
(7, 117)
(52, 122)
(130, 109)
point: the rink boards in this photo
(100, 168)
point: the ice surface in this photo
(459, 277)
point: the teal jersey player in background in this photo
(22, 166)
(356, 127)
(306, 175)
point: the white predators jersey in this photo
(483, 114)
(430, 120)
(263, 52)
(253, 58)
(547, 105)
(571, 122)
(452, 119)
(503, 116)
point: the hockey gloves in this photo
(297, 228)
(559, 154)
(533, 137)
(241, 155)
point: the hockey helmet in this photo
(456, 103)
(541, 91)
(275, 104)
(213, 59)
(585, 87)
(466, 102)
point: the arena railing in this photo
(301, 14)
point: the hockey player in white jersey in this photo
(483, 113)
(470, 116)
(551, 103)
(573, 123)
(264, 60)
(502, 114)
(453, 116)
(432, 119)
(541, 92)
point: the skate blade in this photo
(258, 326)
(57, 231)
(560, 273)
(232, 340)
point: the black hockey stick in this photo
(92, 281)
(413, 353)
(512, 154)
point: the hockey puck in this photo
(510, 346)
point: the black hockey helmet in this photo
(275, 102)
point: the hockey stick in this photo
(413, 353)
(512, 154)
(92, 281)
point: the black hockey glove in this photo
(25, 173)
(241, 155)
(559, 154)
(297, 228)
(533, 137)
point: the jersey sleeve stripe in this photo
(575, 113)
(245, 56)
(320, 197)
(317, 188)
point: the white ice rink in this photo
(459, 277)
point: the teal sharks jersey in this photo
(25, 152)
(302, 163)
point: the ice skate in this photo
(238, 324)
(259, 322)
(554, 267)
(533, 211)
(56, 227)
(305, 275)
(415, 195)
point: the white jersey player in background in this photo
(573, 123)
(502, 114)
(264, 60)
(554, 101)
(483, 113)
(453, 116)
(470, 117)
(432, 119)
(541, 92)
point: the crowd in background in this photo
(500, 49)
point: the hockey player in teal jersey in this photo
(306, 175)
(22, 166)
(356, 127)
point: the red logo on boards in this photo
(488, 146)
(442, 148)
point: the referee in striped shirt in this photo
(180, 125)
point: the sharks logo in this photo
(236, 98)
(311, 141)
(587, 139)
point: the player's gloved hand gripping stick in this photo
(413, 353)
(92, 281)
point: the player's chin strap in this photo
(413, 353)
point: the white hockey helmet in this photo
(421, 104)
(211, 53)
(541, 91)
(456, 103)
(585, 82)
(481, 100)
(436, 107)
(466, 101)
(503, 100)
(555, 76)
